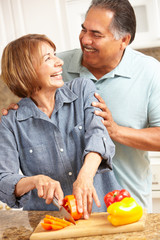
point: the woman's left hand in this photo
(84, 192)
(83, 187)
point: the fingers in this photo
(85, 207)
(54, 189)
(40, 191)
(11, 106)
(59, 194)
(90, 203)
(96, 199)
(47, 188)
(100, 105)
(85, 201)
(4, 112)
(104, 115)
(82, 204)
(99, 98)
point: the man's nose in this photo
(86, 39)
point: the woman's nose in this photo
(58, 62)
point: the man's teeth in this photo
(89, 50)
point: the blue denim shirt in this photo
(56, 146)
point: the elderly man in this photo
(129, 83)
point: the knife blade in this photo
(63, 212)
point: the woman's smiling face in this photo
(49, 68)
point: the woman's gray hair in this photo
(124, 20)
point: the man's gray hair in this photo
(124, 20)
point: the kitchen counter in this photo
(19, 225)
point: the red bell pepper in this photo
(115, 196)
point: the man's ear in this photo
(125, 41)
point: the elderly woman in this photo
(54, 137)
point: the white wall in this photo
(19, 17)
(61, 21)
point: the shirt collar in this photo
(123, 68)
(27, 108)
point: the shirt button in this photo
(80, 127)
(31, 151)
(104, 139)
(61, 150)
(70, 173)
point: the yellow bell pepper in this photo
(124, 212)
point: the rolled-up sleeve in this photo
(97, 138)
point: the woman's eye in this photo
(48, 58)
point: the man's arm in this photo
(146, 139)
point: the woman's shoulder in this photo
(81, 83)
(9, 119)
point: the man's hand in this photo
(146, 139)
(13, 106)
(108, 121)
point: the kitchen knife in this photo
(63, 212)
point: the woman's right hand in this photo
(47, 188)
(13, 106)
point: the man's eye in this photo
(97, 35)
(83, 30)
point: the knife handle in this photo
(55, 202)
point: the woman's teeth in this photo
(56, 74)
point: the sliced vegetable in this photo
(124, 212)
(54, 223)
(46, 220)
(115, 196)
(46, 226)
(70, 205)
(58, 219)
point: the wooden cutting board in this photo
(96, 225)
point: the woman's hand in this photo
(46, 187)
(83, 188)
(84, 192)
(13, 106)
(108, 121)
